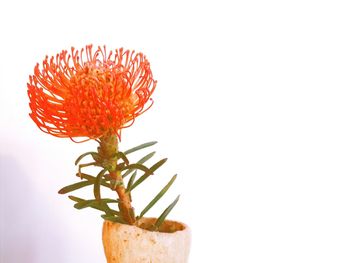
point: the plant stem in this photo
(108, 150)
(125, 207)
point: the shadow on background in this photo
(28, 231)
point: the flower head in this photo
(90, 93)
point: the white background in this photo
(252, 109)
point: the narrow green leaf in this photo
(146, 158)
(83, 155)
(75, 199)
(89, 203)
(121, 166)
(84, 165)
(158, 164)
(158, 196)
(123, 157)
(87, 177)
(92, 179)
(142, 146)
(131, 181)
(74, 187)
(147, 174)
(107, 210)
(97, 184)
(94, 202)
(135, 166)
(108, 177)
(102, 207)
(166, 212)
(141, 161)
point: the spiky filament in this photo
(90, 93)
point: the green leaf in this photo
(87, 177)
(162, 217)
(94, 202)
(135, 166)
(108, 177)
(158, 196)
(92, 179)
(84, 165)
(102, 207)
(97, 184)
(123, 157)
(75, 199)
(83, 155)
(141, 161)
(131, 181)
(147, 174)
(142, 146)
(74, 187)
(107, 210)
(158, 164)
(146, 158)
(89, 203)
(120, 166)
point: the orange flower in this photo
(90, 94)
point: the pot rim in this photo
(179, 224)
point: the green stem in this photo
(108, 151)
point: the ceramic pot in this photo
(135, 244)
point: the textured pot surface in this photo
(132, 244)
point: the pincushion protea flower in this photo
(90, 93)
(95, 94)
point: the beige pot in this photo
(133, 244)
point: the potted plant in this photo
(94, 94)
